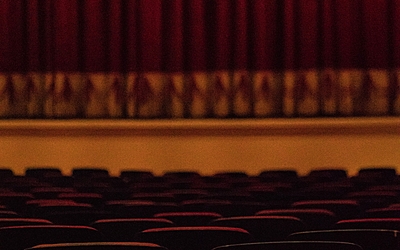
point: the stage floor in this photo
(204, 145)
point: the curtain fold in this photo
(199, 58)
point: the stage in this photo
(204, 145)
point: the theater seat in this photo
(6, 172)
(8, 222)
(312, 218)
(368, 239)
(99, 246)
(124, 229)
(135, 175)
(343, 208)
(194, 238)
(292, 245)
(377, 172)
(21, 237)
(264, 228)
(189, 218)
(369, 223)
(89, 172)
(42, 171)
(139, 209)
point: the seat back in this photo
(99, 246)
(264, 228)
(292, 245)
(124, 229)
(313, 218)
(368, 239)
(42, 171)
(343, 208)
(189, 218)
(21, 237)
(89, 172)
(194, 238)
(369, 223)
(9, 222)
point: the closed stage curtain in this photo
(199, 58)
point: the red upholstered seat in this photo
(138, 208)
(50, 192)
(343, 208)
(42, 171)
(8, 222)
(99, 246)
(194, 238)
(21, 237)
(369, 223)
(89, 172)
(368, 239)
(189, 218)
(264, 228)
(312, 218)
(124, 229)
(293, 245)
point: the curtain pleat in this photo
(199, 58)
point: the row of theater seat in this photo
(277, 210)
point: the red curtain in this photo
(199, 58)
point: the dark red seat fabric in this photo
(189, 218)
(369, 199)
(84, 217)
(292, 245)
(233, 196)
(22, 184)
(9, 214)
(44, 209)
(317, 191)
(369, 223)
(328, 174)
(231, 174)
(6, 172)
(8, 222)
(31, 206)
(50, 192)
(343, 208)
(194, 238)
(386, 212)
(278, 174)
(263, 192)
(15, 201)
(181, 195)
(99, 246)
(385, 187)
(67, 212)
(139, 209)
(90, 172)
(124, 229)
(312, 218)
(58, 181)
(377, 171)
(225, 208)
(155, 197)
(42, 171)
(93, 199)
(182, 174)
(264, 228)
(150, 187)
(135, 175)
(375, 175)
(21, 237)
(368, 239)
(212, 187)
